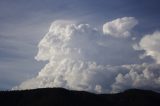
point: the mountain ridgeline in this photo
(63, 97)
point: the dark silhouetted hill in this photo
(63, 97)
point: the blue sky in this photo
(23, 23)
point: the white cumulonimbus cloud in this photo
(120, 27)
(74, 54)
(151, 45)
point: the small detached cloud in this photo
(151, 45)
(120, 28)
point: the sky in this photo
(98, 46)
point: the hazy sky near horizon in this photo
(23, 24)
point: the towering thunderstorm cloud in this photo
(81, 57)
